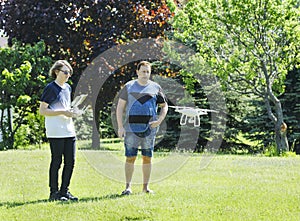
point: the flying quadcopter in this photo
(192, 115)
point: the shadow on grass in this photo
(85, 199)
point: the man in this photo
(140, 99)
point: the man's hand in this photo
(120, 110)
(121, 132)
(162, 115)
(155, 123)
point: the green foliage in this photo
(31, 132)
(227, 36)
(291, 104)
(249, 45)
(106, 128)
(36, 124)
(21, 136)
(23, 70)
(13, 98)
(289, 154)
(81, 30)
(271, 151)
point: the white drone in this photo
(192, 115)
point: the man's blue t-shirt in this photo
(141, 105)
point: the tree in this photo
(250, 45)
(291, 103)
(81, 30)
(23, 69)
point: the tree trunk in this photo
(7, 134)
(95, 138)
(280, 130)
(280, 127)
(95, 135)
(281, 138)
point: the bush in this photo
(271, 151)
(22, 136)
(32, 131)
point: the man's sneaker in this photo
(54, 196)
(126, 192)
(148, 191)
(69, 196)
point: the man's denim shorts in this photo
(133, 141)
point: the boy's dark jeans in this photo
(61, 147)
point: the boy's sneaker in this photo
(54, 196)
(69, 196)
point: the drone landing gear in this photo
(191, 119)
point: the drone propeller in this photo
(178, 108)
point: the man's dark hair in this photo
(143, 63)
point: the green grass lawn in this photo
(228, 188)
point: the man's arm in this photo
(162, 115)
(120, 110)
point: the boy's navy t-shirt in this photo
(58, 98)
